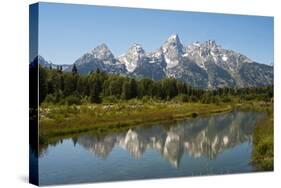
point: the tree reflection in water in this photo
(203, 136)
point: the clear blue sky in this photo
(67, 31)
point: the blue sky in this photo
(66, 31)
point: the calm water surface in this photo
(218, 144)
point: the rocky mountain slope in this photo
(204, 65)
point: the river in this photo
(217, 144)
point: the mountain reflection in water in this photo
(200, 137)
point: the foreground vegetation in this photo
(71, 103)
(58, 120)
(263, 147)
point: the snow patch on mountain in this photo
(173, 51)
(201, 64)
(133, 57)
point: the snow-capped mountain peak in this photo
(102, 52)
(136, 49)
(173, 38)
(201, 64)
(211, 44)
(133, 57)
(172, 50)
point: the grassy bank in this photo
(263, 150)
(263, 136)
(59, 120)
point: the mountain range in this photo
(200, 64)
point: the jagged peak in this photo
(102, 46)
(211, 43)
(172, 43)
(206, 44)
(173, 38)
(137, 45)
(102, 52)
(136, 48)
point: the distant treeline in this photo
(60, 87)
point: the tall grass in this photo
(59, 120)
(263, 147)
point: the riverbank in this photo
(263, 146)
(60, 120)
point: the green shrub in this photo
(181, 98)
(146, 99)
(248, 97)
(110, 99)
(226, 99)
(72, 99)
(50, 98)
(193, 98)
(53, 98)
(216, 100)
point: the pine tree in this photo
(60, 69)
(133, 88)
(98, 71)
(74, 69)
(43, 85)
(95, 90)
(126, 91)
